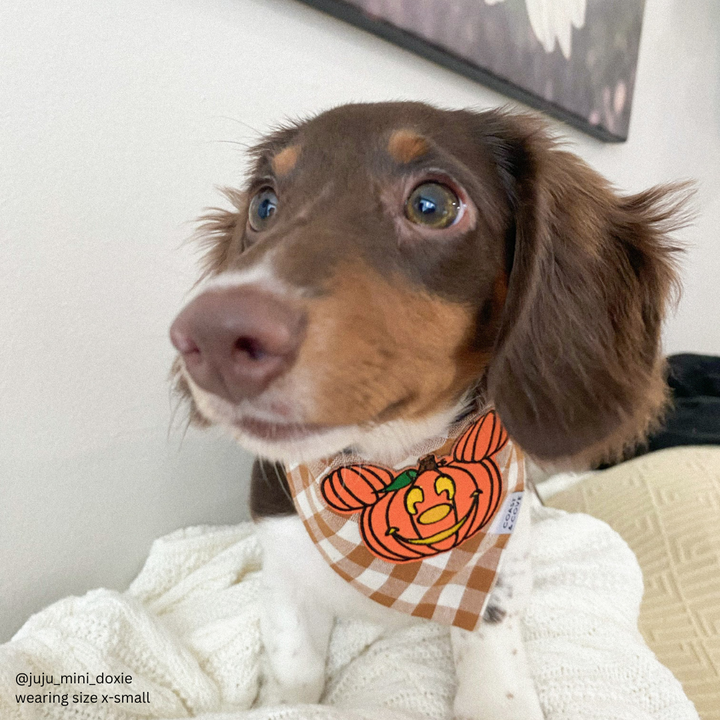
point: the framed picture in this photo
(573, 59)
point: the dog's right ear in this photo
(219, 233)
(576, 371)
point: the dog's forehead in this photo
(372, 136)
(365, 126)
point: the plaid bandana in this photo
(426, 539)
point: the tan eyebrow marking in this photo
(406, 145)
(285, 160)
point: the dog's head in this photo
(387, 261)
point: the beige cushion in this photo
(666, 505)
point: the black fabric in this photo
(694, 417)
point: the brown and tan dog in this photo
(388, 264)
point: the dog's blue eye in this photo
(263, 208)
(433, 205)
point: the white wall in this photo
(115, 119)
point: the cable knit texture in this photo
(187, 631)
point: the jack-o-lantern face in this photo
(427, 509)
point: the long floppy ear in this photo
(577, 370)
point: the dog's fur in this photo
(545, 298)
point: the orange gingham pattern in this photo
(451, 588)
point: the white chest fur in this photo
(302, 596)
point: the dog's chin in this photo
(389, 443)
(290, 442)
(293, 441)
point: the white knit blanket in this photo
(187, 634)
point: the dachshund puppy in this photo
(394, 276)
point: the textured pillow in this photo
(666, 505)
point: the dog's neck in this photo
(395, 441)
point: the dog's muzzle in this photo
(236, 341)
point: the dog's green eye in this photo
(263, 208)
(433, 205)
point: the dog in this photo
(386, 269)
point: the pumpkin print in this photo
(427, 509)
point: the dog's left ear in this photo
(577, 371)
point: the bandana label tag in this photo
(507, 517)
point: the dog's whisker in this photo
(243, 145)
(282, 482)
(263, 473)
(186, 428)
(257, 132)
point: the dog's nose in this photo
(236, 341)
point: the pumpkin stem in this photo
(428, 462)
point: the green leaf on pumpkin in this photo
(402, 480)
